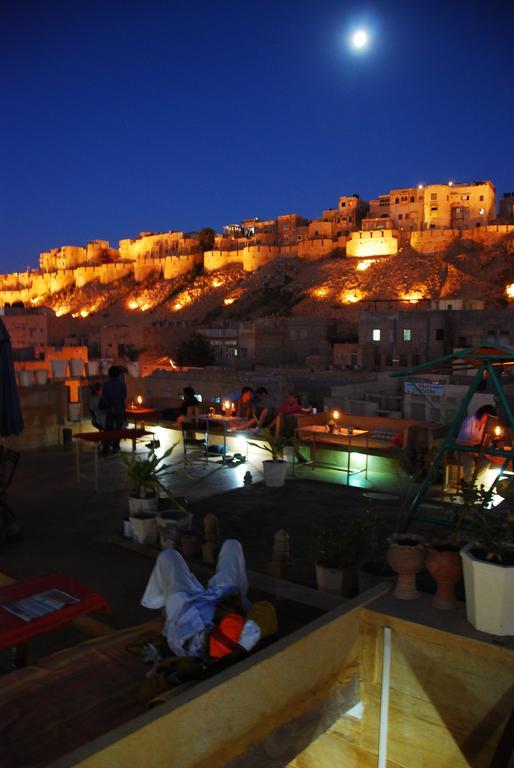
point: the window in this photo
(439, 334)
(404, 198)
(482, 211)
(407, 215)
(412, 199)
(316, 233)
(343, 204)
(481, 198)
(285, 225)
(407, 334)
(433, 196)
(433, 208)
(384, 201)
(396, 200)
(400, 215)
(375, 334)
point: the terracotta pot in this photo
(406, 555)
(444, 564)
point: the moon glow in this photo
(360, 39)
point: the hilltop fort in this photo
(426, 219)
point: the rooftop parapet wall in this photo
(176, 266)
(213, 260)
(109, 273)
(432, 240)
(255, 256)
(310, 250)
(372, 243)
(157, 245)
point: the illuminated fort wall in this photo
(382, 242)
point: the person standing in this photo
(472, 433)
(114, 396)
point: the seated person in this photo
(244, 406)
(190, 608)
(284, 424)
(97, 407)
(263, 414)
(186, 408)
(472, 433)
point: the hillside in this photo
(329, 287)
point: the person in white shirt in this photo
(472, 433)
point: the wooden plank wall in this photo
(449, 700)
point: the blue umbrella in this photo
(11, 419)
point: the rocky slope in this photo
(330, 287)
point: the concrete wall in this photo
(44, 415)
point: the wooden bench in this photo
(407, 440)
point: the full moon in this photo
(360, 38)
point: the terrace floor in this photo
(70, 527)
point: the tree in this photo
(195, 351)
(206, 238)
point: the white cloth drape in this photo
(189, 607)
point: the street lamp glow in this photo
(360, 39)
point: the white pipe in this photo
(384, 700)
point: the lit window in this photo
(482, 211)
(375, 334)
(407, 334)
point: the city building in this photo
(398, 339)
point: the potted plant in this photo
(274, 469)
(145, 476)
(339, 551)
(488, 559)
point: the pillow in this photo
(391, 435)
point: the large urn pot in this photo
(444, 564)
(406, 556)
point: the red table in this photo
(15, 631)
(139, 414)
(105, 436)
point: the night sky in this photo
(122, 116)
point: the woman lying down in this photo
(202, 624)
